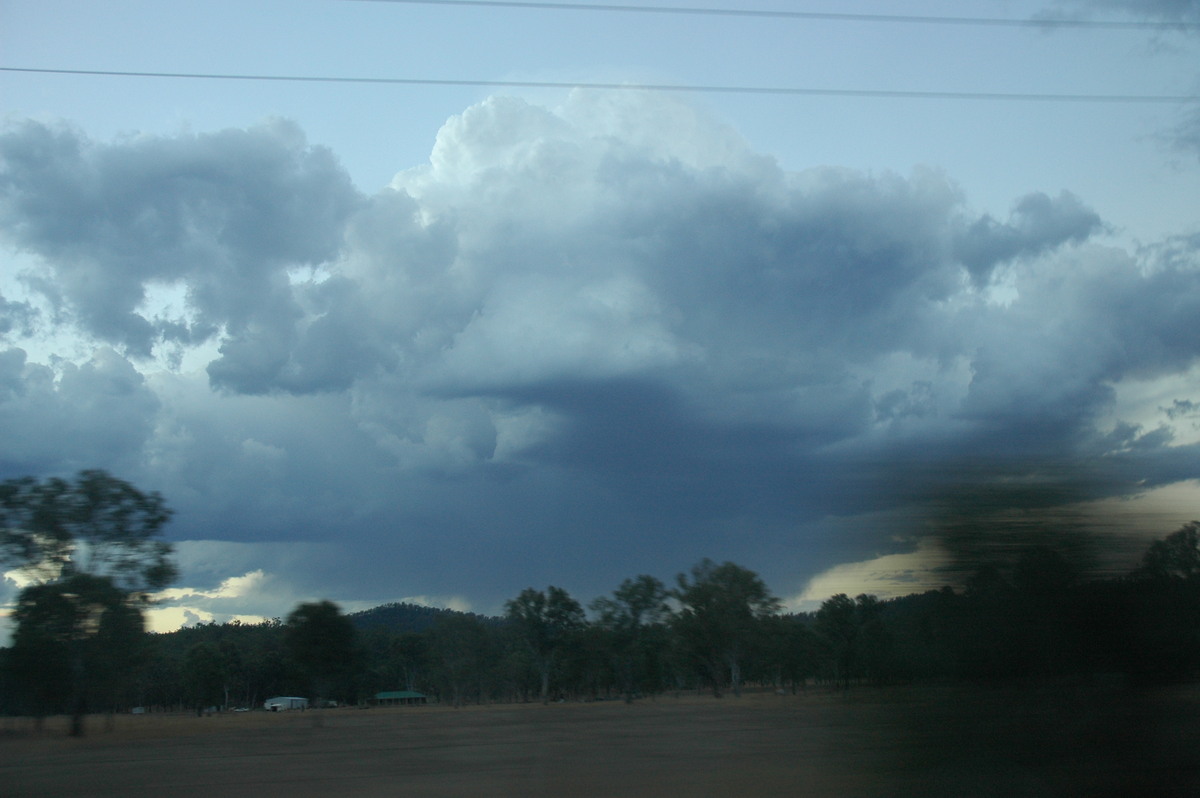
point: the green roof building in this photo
(395, 698)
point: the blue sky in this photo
(379, 342)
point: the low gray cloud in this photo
(225, 213)
(580, 344)
(16, 317)
(1185, 135)
(1182, 408)
(101, 411)
(1038, 223)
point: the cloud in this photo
(227, 581)
(580, 343)
(1038, 224)
(1182, 408)
(176, 607)
(886, 576)
(75, 416)
(1185, 135)
(1162, 10)
(226, 213)
(16, 316)
(270, 589)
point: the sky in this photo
(445, 339)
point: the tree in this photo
(1176, 556)
(837, 624)
(97, 524)
(790, 650)
(857, 644)
(91, 547)
(1162, 640)
(635, 606)
(321, 641)
(873, 644)
(1045, 638)
(545, 624)
(718, 620)
(204, 672)
(460, 644)
(74, 641)
(394, 661)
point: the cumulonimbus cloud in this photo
(608, 326)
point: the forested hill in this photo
(401, 617)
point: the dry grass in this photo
(915, 741)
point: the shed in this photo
(280, 703)
(395, 698)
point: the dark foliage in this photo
(1029, 619)
(92, 549)
(322, 643)
(401, 617)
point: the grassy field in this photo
(868, 742)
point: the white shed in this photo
(280, 703)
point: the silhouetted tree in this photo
(459, 645)
(873, 644)
(97, 524)
(321, 641)
(837, 624)
(720, 607)
(204, 670)
(1043, 609)
(790, 650)
(626, 618)
(1160, 635)
(1175, 556)
(92, 547)
(74, 639)
(988, 628)
(545, 624)
(395, 661)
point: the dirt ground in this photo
(868, 742)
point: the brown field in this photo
(869, 742)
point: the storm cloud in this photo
(226, 214)
(578, 344)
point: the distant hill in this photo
(401, 617)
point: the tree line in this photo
(92, 549)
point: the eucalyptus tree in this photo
(96, 524)
(91, 553)
(461, 647)
(75, 642)
(322, 643)
(790, 651)
(1164, 641)
(837, 625)
(545, 624)
(1177, 556)
(637, 606)
(205, 673)
(719, 618)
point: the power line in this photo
(826, 16)
(663, 87)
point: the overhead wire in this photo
(662, 87)
(709, 88)
(824, 16)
